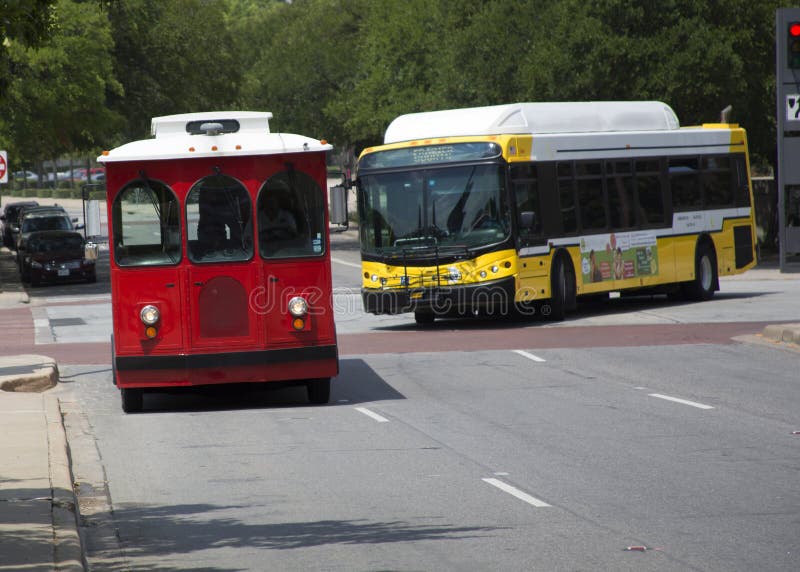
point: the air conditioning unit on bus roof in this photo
(535, 118)
(190, 123)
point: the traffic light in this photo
(793, 42)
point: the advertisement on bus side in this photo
(619, 256)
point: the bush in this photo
(45, 193)
(64, 194)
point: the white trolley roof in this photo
(172, 140)
(535, 118)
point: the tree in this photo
(171, 57)
(57, 99)
(22, 22)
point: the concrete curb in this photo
(29, 373)
(786, 333)
(67, 549)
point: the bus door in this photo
(292, 247)
(222, 273)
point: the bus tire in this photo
(562, 290)
(424, 318)
(319, 390)
(132, 400)
(705, 274)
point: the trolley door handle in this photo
(198, 283)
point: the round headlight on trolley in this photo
(298, 308)
(150, 316)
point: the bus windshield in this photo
(463, 206)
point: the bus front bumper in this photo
(496, 295)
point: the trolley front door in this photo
(220, 311)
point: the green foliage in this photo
(171, 57)
(57, 101)
(343, 69)
(22, 22)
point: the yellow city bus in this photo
(531, 206)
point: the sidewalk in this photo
(38, 519)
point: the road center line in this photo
(345, 262)
(513, 491)
(375, 416)
(528, 355)
(683, 401)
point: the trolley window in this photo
(219, 221)
(291, 216)
(146, 225)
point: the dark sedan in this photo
(56, 256)
(10, 218)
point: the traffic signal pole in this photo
(787, 48)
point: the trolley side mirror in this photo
(338, 206)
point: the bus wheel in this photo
(424, 318)
(319, 390)
(705, 274)
(562, 291)
(132, 400)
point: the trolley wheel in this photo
(424, 318)
(132, 400)
(705, 274)
(562, 290)
(319, 390)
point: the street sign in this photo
(3, 167)
(792, 107)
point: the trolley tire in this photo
(132, 400)
(424, 318)
(705, 274)
(319, 390)
(562, 290)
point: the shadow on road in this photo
(587, 308)
(188, 528)
(357, 382)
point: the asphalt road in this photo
(496, 460)
(637, 435)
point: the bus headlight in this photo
(298, 307)
(149, 315)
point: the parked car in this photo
(97, 175)
(11, 221)
(56, 256)
(27, 209)
(38, 220)
(27, 176)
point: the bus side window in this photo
(741, 183)
(684, 182)
(566, 195)
(526, 196)
(619, 182)
(718, 181)
(591, 196)
(649, 193)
